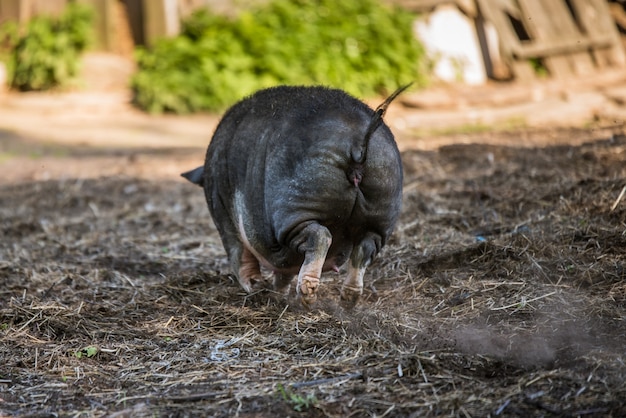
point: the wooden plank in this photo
(491, 11)
(570, 42)
(561, 47)
(103, 29)
(124, 43)
(161, 19)
(25, 11)
(596, 21)
(48, 7)
(495, 11)
(567, 27)
(134, 11)
(9, 10)
(538, 21)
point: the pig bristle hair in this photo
(377, 119)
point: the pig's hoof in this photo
(308, 291)
(308, 300)
(350, 296)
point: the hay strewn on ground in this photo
(502, 293)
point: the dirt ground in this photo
(501, 293)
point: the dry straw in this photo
(502, 293)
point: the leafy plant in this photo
(538, 67)
(46, 55)
(298, 402)
(363, 46)
(88, 351)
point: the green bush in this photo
(47, 53)
(8, 38)
(362, 46)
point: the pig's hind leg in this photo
(282, 283)
(360, 259)
(243, 263)
(313, 241)
(249, 272)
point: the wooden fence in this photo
(567, 37)
(22, 10)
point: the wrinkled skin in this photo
(286, 191)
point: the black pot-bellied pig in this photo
(299, 180)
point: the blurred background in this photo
(197, 55)
(158, 73)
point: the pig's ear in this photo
(196, 176)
